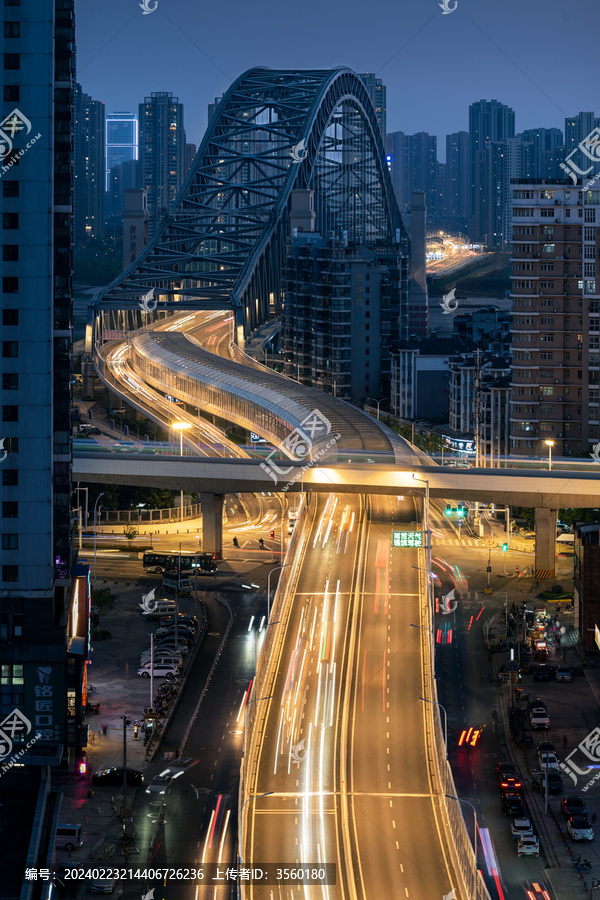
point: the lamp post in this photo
(95, 531)
(377, 402)
(77, 489)
(269, 587)
(468, 802)
(180, 427)
(550, 445)
(427, 539)
(251, 797)
(443, 708)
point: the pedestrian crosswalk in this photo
(457, 542)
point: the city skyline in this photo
(478, 52)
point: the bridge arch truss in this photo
(222, 245)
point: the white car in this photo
(159, 671)
(528, 845)
(580, 829)
(521, 827)
(103, 885)
(539, 719)
(548, 761)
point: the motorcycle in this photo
(92, 709)
(235, 542)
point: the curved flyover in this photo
(222, 245)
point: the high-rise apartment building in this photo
(577, 128)
(122, 140)
(42, 664)
(162, 153)
(377, 92)
(344, 304)
(546, 154)
(124, 177)
(412, 161)
(457, 175)
(90, 166)
(489, 121)
(555, 322)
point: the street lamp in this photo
(180, 427)
(377, 402)
(427, 537)
(425, 700)
(269, 588)
(550, 445)
(95, 531)
(468, 802)
(251, 797)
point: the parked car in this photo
(158, 671)
(539, 720)
(512, 805)
(114, 777)
(580, 829)
(564, 673)
(548, 761)
(192, 621)
(535, 702)
(528, 845)
(545, 747)
(168, 644)
(508, 778)
(572, 805)
(521, 827)
(118, 411)
(103, 885)
(542, 673)
(555, 783)
(182, 631)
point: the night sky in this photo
(537, 56)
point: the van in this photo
(565, 539)
(171, 582)
(160, 608)
(68, 837)
(161, 659)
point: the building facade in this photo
(36, 572)
(489, 121)
(377, 92)
(420, 376)
(90, 166)
(555, 328)
(342, 308)
(162, 153)
(479, 394)
(586, 585)
(457, 176)
(122, 140)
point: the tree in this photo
(130, 531)
(104, 600)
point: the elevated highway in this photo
(546, 492)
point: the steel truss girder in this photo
(223, 241)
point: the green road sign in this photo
(407, 538)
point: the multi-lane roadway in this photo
(343, 756)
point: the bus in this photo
(203, 563)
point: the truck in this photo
(178, 584)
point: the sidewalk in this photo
(120, 692)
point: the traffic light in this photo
(460, 512)
(448, 510)
(272, 533)
(505, 547)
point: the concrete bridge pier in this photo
(212, 523)
(545, 542)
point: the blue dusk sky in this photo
(538, 56)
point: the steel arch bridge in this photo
(222, 245)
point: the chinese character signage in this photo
(44, 700)
(407, 538)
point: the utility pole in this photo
(126, 722)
